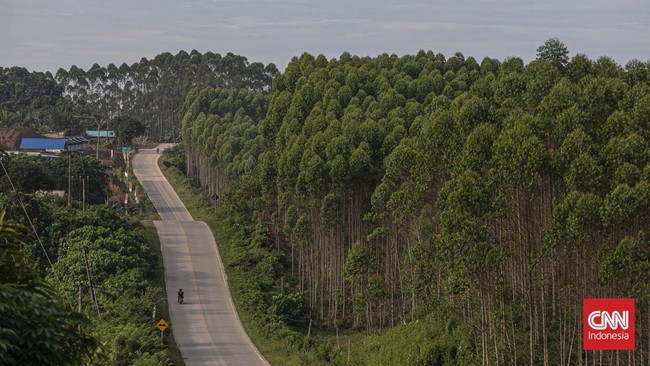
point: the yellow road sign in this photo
(162, 325)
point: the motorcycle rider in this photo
(180, 296)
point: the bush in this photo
(176, 157)
(429, 341)
(292, 308)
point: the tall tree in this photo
(555, 52)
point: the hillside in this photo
(496, 194)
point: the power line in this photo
(90, 279)
(38, 238)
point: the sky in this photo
(44, 35)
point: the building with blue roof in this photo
(42, 144)
(51, 144)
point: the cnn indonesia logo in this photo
(608, 324)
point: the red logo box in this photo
(608, 324)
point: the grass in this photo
(149, 211)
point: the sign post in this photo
(162, 325)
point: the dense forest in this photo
(496, 195)
(148, 91)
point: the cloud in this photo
(142, 37)
(289, 24)
(46, 35)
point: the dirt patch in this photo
(10, 138)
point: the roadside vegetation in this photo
(50, 313)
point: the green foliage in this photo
(126, 128)
(554, 51)
(429, 341)
(111, 252)
(519, 156)
(122, 267)
(574, 218)
(30, 174)
(36, 100)
(367, 286)
(176, 156)
(629, 149)
(584, 174)
(149, 91)
(625, 203)
(630, 262)
(359, 265)
(131, 344)
(37, 327)
(292, 308)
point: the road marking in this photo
(196, 283)
(158, 174)
(171, 192)
(169, 204)
(198, 293)
(227, 289)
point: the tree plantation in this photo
(486, 199)
(149, 91)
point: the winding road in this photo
(206, 326)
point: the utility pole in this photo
(97, 150)
(90, 282)
(81, 302)
(81, 296)
(83, 194)
(69, 178)
(99, 132)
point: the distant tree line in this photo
(149, 92)
(498, 193)
(35, 99)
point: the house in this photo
(101, 134)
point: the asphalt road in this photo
(206, 326)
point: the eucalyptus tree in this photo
(493, 193)
(555, 52)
